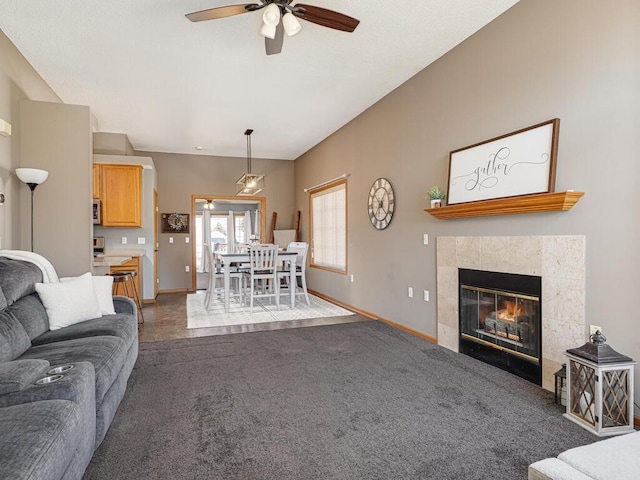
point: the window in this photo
(329, 227)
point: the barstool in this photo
(125, 278)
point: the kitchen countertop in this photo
(124, 252)
(109, 260)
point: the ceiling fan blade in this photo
(221, 12)
(326, 18)
(274, 46)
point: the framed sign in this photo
(175, 223)
(518, 163)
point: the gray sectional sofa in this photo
(60, 389)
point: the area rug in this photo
(342, 402)
(263, 311)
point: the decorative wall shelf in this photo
(539, 202)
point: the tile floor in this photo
(167, 320)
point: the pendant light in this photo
(249, 184)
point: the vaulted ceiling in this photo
(172, 85)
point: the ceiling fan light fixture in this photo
(271, 15)
(268, 31)
(291, 24)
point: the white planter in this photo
(436, 203)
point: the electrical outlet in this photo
(352, 278)
(410, 292)
(186, 268)
(593, 329)
(124, 240)
(425, 239)
(170, 239)
(426, 295)
(186, 239)
(142, 240)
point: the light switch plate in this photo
(186, 239)
(425, 239)
(142, 240)
(170, 239)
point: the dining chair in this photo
(301, 268)
(215, 273)
(262, 273)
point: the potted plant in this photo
(436, 196)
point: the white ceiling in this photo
(171, 84)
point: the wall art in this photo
(175, 222)
(518, 163)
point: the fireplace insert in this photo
(500, 321)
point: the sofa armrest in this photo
(16, 375)
(554, 469)
(124, 305)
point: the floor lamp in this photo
(32, 177)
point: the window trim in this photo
(313, 192)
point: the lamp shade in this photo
(268, 31)
(271, 15)
(32, 175)
(291, 24)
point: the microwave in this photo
(96, 212)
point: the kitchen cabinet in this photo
(96, 181)
(121, 195)
(132, 265)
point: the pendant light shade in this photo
(249, 184)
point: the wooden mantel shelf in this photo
(539, 202)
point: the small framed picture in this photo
(174, 223)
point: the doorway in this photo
(228, 224)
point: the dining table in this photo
(229, 260)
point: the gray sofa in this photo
(616, 458)
(50, 429)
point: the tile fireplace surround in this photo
(559, 260)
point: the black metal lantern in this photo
(600, 388)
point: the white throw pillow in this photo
(70, 302)
(103, 286)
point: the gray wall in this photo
(57, 137)
(577, 60)
(18, 81)
(181, 176)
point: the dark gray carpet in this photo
(354, 401)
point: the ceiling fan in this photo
(272, 28)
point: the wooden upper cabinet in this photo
(96, 181)
(121, 195)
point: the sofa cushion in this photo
(617, 457)
(39, 439)
(19, 374)
(14, 340)
(31, 314)
(119, 325)
(3, 301)
(17, 278)
(107, 354)
(69, 302)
